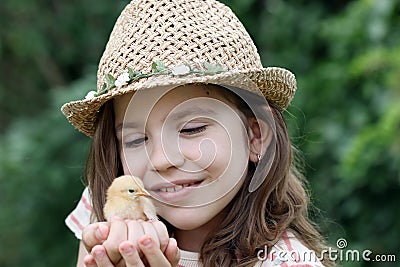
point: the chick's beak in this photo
(142, 193)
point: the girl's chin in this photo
(187, 218)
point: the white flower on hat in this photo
(180, 69)
(90, 95)
(122, 79)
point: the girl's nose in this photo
(164, 155)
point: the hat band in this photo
(157, 68)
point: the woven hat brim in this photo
(277, 85)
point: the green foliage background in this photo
(345, 117)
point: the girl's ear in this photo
(260, 136)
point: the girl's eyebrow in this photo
(125, 125)
(194, 111)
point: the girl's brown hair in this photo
(252, 220)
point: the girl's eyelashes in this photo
(189, 129)
(135, 142)
(192, 130)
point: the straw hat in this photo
(175, 42)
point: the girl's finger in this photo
(130, 254)
(172, 252)
(150, 230)
(100, 256)
(89, 261)
(95, 234)
(162, 234)
(135, 231)
(152, 252)
(118, 233)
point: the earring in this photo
(256, 162)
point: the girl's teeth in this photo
(175, 188)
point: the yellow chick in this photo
(127, 199)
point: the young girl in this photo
(184, 104)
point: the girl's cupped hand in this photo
(130, 243)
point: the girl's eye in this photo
(193, 130)
(135, 143)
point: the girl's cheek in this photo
(189, 149)
(212, 152)
(200, 151)
(133, 163)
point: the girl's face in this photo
(189, 146)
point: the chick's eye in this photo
(131, 191)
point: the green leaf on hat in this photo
(131, 73)
(110, 81)
(158, 67)
(103, 90)
(134, 75)
(212, 69)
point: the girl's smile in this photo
(175, 190)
